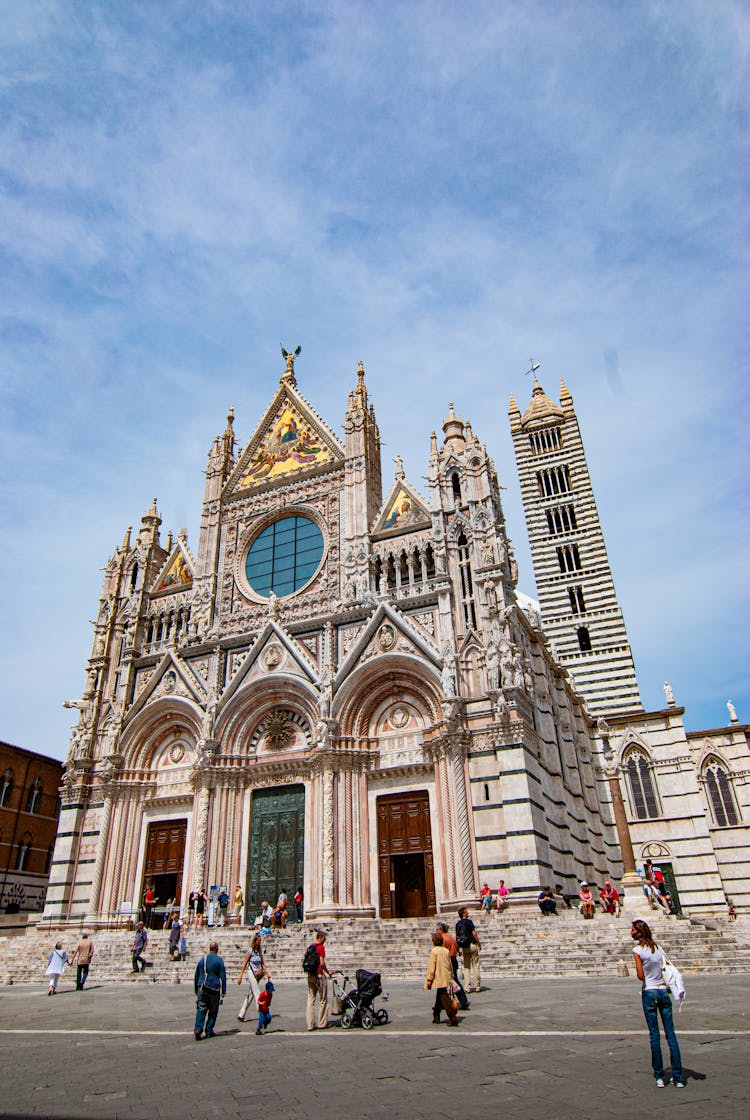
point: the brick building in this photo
(29, 812)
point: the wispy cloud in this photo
(440, 191)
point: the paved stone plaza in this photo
(527, 1048)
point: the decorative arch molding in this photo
(458, 525)
(392, 677)
(710, 754)
(238, 722)
(654, 849)
(149, 731)
(629, 739)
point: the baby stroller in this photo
(356, 1004)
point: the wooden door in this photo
(165, 854)
(406, 877)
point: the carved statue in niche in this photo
(493, 667)
(448, 675)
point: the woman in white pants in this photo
(58, 958)
(257, 974)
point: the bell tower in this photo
(580, 613)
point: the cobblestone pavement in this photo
(527, 1048)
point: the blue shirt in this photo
(211, 972)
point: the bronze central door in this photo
(277, 846)
(406, 877)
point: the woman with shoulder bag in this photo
(257, 974)
(440, 975)
(649, 962)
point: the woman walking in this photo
(58, 958)
(440, 975)
(649, 961)
(257, 973)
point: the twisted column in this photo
(201, 838)
(328, 838)
(463, 821)
(101, 853)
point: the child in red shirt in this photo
(264, 1002)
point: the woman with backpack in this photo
(649, 962)
(257, 974)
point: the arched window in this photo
(467, 585)
(456, 486)
(34, 797)
(22, 852)
(6, 786)
(719, 792)
(642, 790)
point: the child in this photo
(264, 1002)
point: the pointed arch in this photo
(719, 788)
(638, 766)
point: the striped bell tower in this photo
(580, 613)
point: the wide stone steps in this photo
(522, 944)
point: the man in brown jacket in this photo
(83, 954)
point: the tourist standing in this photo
(440, 976)
(468, 942)
(649, 961)
(56, 962)
(83, 954)
(317, 986)
(201, 899)
(175, 930)
(257, 974)
(239, 902)
(210, 983)
(223, 901)
(298, 899)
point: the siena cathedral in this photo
(341, 687)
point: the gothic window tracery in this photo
(721, 800)
(34, 796)
(467, 584)
(6, 786)
(643, 798)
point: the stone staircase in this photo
(513, 944)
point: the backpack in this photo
(673, 979)
(311, 960)
(463, 933)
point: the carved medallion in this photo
(386, 637)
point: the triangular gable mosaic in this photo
(177, 572)
(292, 441)
(403, 510)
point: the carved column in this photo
(463, 822)
(101, 852)
(201, 837)
(328, 838)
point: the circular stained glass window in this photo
(284, 557)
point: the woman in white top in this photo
(649, 960)
(58, 958)
(257, 974)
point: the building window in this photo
(584, 639)
(554, 481)
(720, 797)
(22, 852)
(467, 585)
(456, 486)
(569, 558)
(284, 557)
(642, 791)
(48, 859)
(34, 797)
(542, 443)
(6, 785)
(561, 519)
(577, 601)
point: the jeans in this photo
(656, 1002)
(206, 1011)
(82, 971)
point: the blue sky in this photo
(442, 190)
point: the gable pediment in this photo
(176, 573)
(387, 632)
(291, 438)
(170, 678)
(274, 652)
(403, 511)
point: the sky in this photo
(442, 190)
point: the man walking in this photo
(210, 983)
(468, 943)
(223, 901)
(83, 954)
(139, 944)
(317, 985)
(452, 946)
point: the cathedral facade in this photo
(341, 688)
